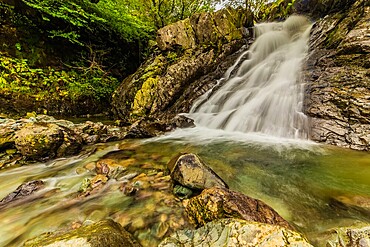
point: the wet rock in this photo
(41, 137)
(141, 129)
(72, 143)
(23, 191)
(39, 140)
(102, 233)
(357, 235)
(182, 192)
(218, 203)
(234, 232)
(337, 73)
(7, 139)
(189, 171)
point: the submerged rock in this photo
(234, 232)
(189, 171)
(218, 203)
(22, 191)
(102, 233)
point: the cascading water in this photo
(262, 93)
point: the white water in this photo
(263, 93)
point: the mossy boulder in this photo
(39, 141)
(102, 233)
(218, 203)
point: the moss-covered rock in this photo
(102, 233)
(218, 203)
(38, 141)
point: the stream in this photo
(303, 181)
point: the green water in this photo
(301, 183)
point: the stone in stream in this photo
(188, 170)
(103, 233)
(235, 232)
(218, 203)
(355, 202)
(22, 191)
(356, 235)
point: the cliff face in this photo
(338, 78)
(192, 55)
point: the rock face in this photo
(194, 53)
(232, 232)
(218, 203)
(338, 77)
(103, 233)
(189, 171)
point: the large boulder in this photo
(233, 232)
(190, 171)
(39, 141)
(218, 203)
(193, 54)
(338, 79)
(103, 233)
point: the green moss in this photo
(144, 97)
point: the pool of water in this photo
(305, 182)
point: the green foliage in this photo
(17, 77)
(77, 16)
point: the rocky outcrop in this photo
(193, 54)
(233, 232)
(338, 78)
(218, 203)
(103, 233)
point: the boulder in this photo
(189, 171)
(235, 232)
(39, 140)
(218, 203)
(338, 79)
(102, 233)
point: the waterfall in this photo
(262, 92)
